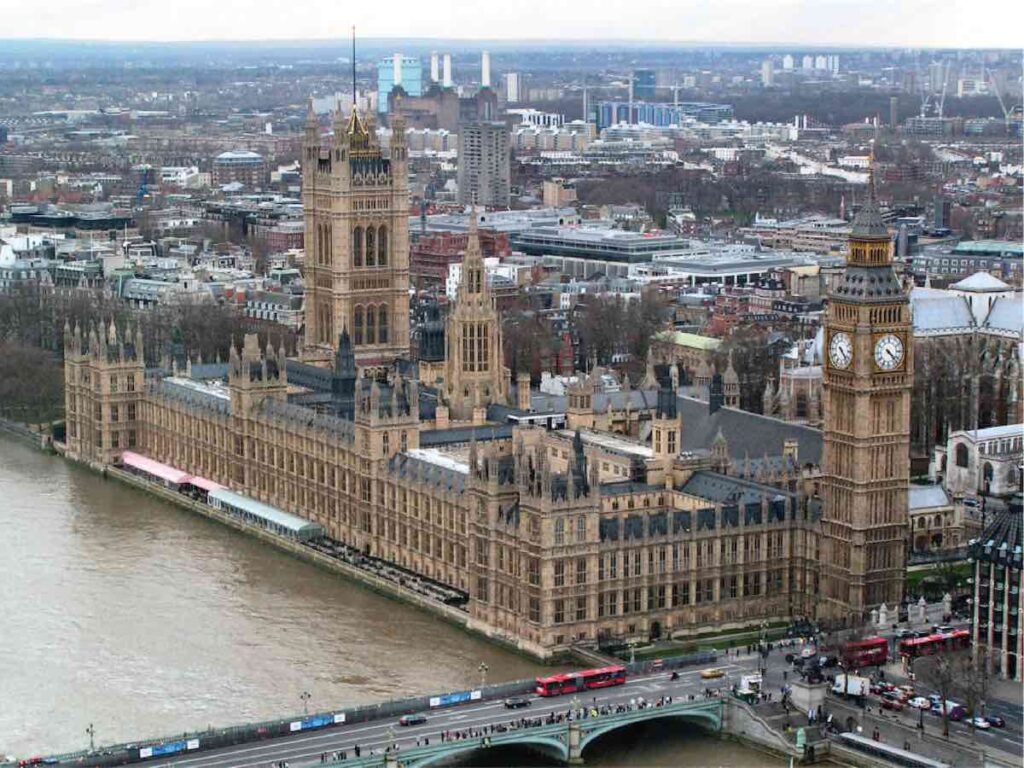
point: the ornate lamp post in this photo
(483, 674)
(305, 696)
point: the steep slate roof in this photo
(729, 490)
(945, 313)
(1007, 314)
(747, 434)
(408, 466)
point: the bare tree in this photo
(941, 673)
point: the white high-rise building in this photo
(435, 67)
(512, 87)
(807, 62)
(485, 70)
(447, 70)
(787, 62)
(820, 63)
(767, 73)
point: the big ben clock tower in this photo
(868, 373)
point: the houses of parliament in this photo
(688, 516)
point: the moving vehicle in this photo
(953, 710)
(920, 702)
(995, 721)
(980, 722)
(571, 682)
(712, 674)
(414, 719)
(892, 703)
(929, 645)
(851, 685)
(516, 702)
(870, 652)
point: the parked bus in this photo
(573, 682)
(870, 652)
(956, 640)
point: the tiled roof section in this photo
(926, 497)
(868, 284)
(638, 399)
(868, 222)
(298, 415)
(628, 487)
(724, 489)
(747, 434)
(1000, 542)
(936, 314)
(418, 469)
(193, 396)
(435, 437)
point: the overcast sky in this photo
(896, 23)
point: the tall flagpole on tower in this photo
(353, 66)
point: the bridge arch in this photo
(547, 745)
(709, 719)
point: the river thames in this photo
(145, 620)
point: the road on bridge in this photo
(306, 749)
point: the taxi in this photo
(712, 674)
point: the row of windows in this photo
(370, 246)
(370, 324)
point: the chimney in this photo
(485, 70)
(447, 82)
(435, 67)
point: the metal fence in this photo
(213, 738)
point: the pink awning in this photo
(155, 468)
(202, 482)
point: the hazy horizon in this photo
(985, 24)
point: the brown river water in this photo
(124, 611)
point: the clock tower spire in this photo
(866, 464)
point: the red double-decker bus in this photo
(956, 640)
(573, 682)
(870, 652)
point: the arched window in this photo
(382, 324)
(937, 522)
(371, 320)
(371, 247)
(357, 326)
(382, 246)
(357, 247)
(963, 455)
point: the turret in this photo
(523, 391)
(731, 385)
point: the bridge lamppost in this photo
(305, 696)
(483, 674)
(92, 736)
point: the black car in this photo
(516, 702)
(995, 721)
(415, 719)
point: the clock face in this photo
(889, 352)
(840, 350)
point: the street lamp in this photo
(483, 674)
(92, 735)
(305, 696)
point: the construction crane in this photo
(990, 77)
